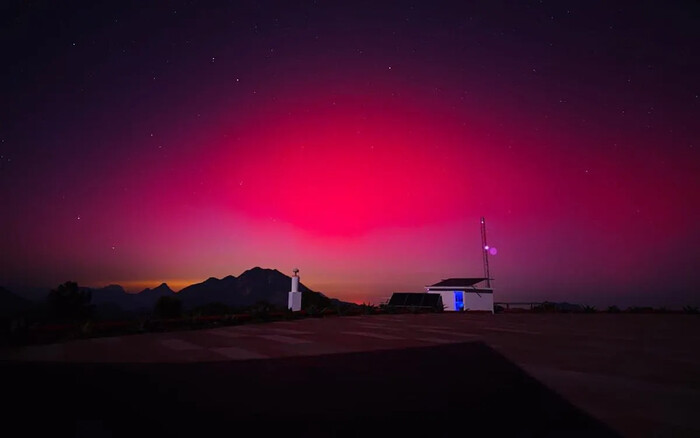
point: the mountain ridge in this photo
(250, 287)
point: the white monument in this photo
(294, 303)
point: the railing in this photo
(507, 305)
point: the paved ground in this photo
(639, 374)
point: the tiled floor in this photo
(626, 370)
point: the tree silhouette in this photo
(168, 307)
(69, 303)
(214, 308)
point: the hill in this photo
(147, 298)
(212, 290)
(254, 285)
(251, 287)
(113, 300)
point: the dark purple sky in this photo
(142, 142)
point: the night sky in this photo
(174, 141)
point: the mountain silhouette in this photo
(250, 287)
(147, 298)
(112, 298)
(211, 290)
(113, 294)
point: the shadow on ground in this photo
(432, 391)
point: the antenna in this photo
(485, 252)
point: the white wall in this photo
(478, 301)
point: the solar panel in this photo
(456, 282)
(414, 299)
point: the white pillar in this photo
(294, 302)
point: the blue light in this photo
(459, 300)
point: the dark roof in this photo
(457, 282)
(410, 299)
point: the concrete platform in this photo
(638, 374)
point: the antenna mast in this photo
(485, 252)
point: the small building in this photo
(461, 294)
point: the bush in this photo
(367, 309)
(215, 308)
(168, 307)
(545, 307)
(69, 303)
(314, 311)
(340, 310)
(613, 309)
(261, 310)
(637, 309)
(693, 310)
